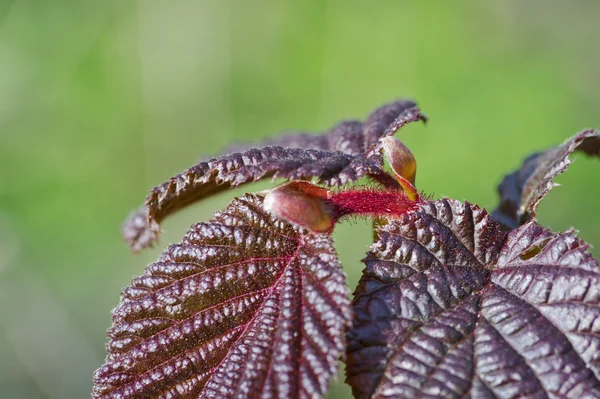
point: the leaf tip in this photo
(140, 231)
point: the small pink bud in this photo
(301, 203)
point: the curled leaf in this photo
(246, 306)
(451, 305)
(521, 191)
(207, 178)
(353, 136)
(591, 145)
(347, 153)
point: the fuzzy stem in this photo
(319, 209)
(370, 203)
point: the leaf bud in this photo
(301, 203)
(403, 163)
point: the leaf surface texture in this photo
(246, 306)
(451, 305)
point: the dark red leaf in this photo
(246, 306)
(451, 305)
(521, 191)
(352, 137)
(349, 152)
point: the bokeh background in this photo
(101, 100)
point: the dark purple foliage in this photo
(452, 303)
(351, 137)
(521, 191)
(344, 155)
(246, 306)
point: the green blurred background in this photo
(101, 100)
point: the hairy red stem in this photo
(370, 203)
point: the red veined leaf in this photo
(451, 305)
(347, 153)
(246, 306)
(521, 191)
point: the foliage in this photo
(454, 302)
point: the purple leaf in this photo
(351, 137)
(349, 152)
(451, 305)
(246, 306)
(521, 191)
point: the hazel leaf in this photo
(347, 153)
(352, 136)
(521, 191)
(246, 306)
(451, 305)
